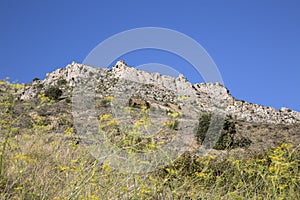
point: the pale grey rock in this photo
(126, 80)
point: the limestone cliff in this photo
(159, 88)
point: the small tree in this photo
(53, 93)
(225, 139)
(35, 79)
(203, 125)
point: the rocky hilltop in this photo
(157, 88)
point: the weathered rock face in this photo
(214, 94)
(158, 88)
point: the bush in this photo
(204, 122)
(62, 82)
(35, 79)
(216, 140)
(226, 139)
(53, 93)
(243, 142)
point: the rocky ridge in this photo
(158, 88)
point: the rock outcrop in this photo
(159, 88)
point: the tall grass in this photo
(35, 168)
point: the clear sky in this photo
(254, 43)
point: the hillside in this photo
(166, 93)
(85, 132)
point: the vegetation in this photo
(223, 135)
(35, 79)
(53, 92)
(38, 164)
(61, 82)
(224, 138)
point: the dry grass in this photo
(35, 168)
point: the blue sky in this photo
(255, 44)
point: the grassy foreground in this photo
(39, 167)
(37, 164)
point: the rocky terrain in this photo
(161, 88)
(197, 141)
(263, 126)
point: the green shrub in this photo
(243, 142)
(53, 93)
(226, 139)
(62, 82)
(216, 140)
(203, 125)
(35, 79)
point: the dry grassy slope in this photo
(58, 116)
(264, 136)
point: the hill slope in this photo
(125, 83)
(59, 137)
